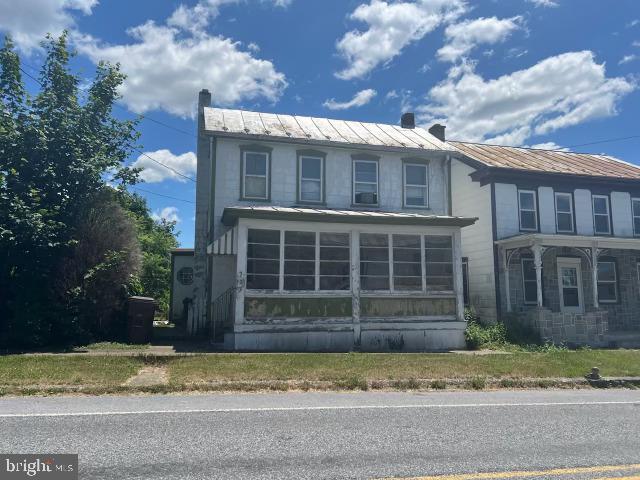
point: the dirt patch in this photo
(149, 376)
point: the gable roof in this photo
(548, 161)
(314, 131)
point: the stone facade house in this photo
(557, 245)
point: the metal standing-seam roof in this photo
(548, 161)
(314, 130)
(231, 215)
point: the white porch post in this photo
(241, 276)
(537, 262)
(594, 274)
(355, 286)
(457, 245)
(505, 269)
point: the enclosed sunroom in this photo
(338, 280)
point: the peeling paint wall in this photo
(297, 307)
(406, 307)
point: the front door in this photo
(570, 285)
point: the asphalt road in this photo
(331, 435)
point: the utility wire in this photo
(161, 195)
(607, 140)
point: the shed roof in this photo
(548, 161)
(231, 215)
(314, 130)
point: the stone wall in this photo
(571, 329)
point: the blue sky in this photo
(548, 73)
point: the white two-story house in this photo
(324, 235)
(557, 244)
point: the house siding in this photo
(469, 199)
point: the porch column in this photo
(537, 263)
(594, 274)
(355, 286)
(505, 269)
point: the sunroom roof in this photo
(231, 215)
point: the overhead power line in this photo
(163, 195)
(607, 140)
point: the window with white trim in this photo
(263, 259)
(438, 253)
(311, 177)
(416, 185)
(528, 212)
(255, 181)
(407, 262)
(607, 282)
(311, 261)
(365, 182)
(601, 214)
(564, 212)
(635, 209)
(529, 281)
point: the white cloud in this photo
(462, 37)
(633, 23)
(391, 94)
(549, 146)
(390, 28)
(636, 43)
(558, 92)
(168, 214)
(153, 173)
(359, 99)
(627, 59)
(544, 3)
(166, 67)
(28, 21)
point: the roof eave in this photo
(231, 215)
(327, 143)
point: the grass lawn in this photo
(26, 370)
(107, 346)
(372, 366)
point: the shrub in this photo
(478, 335)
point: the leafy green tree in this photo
(55, 150)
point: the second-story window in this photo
(416, 191)
(564, 213)
(528, 210)
(365, 182)
(255, 181)
(601, 214)
(310, 179)
(635, 208)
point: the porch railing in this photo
(222, 314)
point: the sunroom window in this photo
(335, 265)
(438, 252)
(299, 260)
(635, 206)
(374, 261)
(407, 262)
(263, 259)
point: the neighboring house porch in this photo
(573, 289)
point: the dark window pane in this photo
(299, 253)
(263, 236)
(410, 241)
(416, 196)
(607, 292)
(311, 167)
(256, 163)
(369, 253)
(528, 270)
(600, 205)
(374, 268)
(530, 292)
(565, 222)
(299, 238)
(334, 239)
(636, 208)
(437, 241)
(563, 203)
(606, 271)
(366, 171)
(407, 283)
(571, 297)
(527, 200)
(299, 283)
(439, 269)
(334, 253)
(374, 240)
(527, 220)
(299, 267)
(406, 255)
(439, 283)
(263, 282)
(334, 268)
(263, 266)
(407, 269)
(263, 251)
(334, 283)
(636, 225)
(374, 283)
(601, 223)
(416, 174)
(439, 255)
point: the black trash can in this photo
(140, 312)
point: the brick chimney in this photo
(408, 120)
(437, 131)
